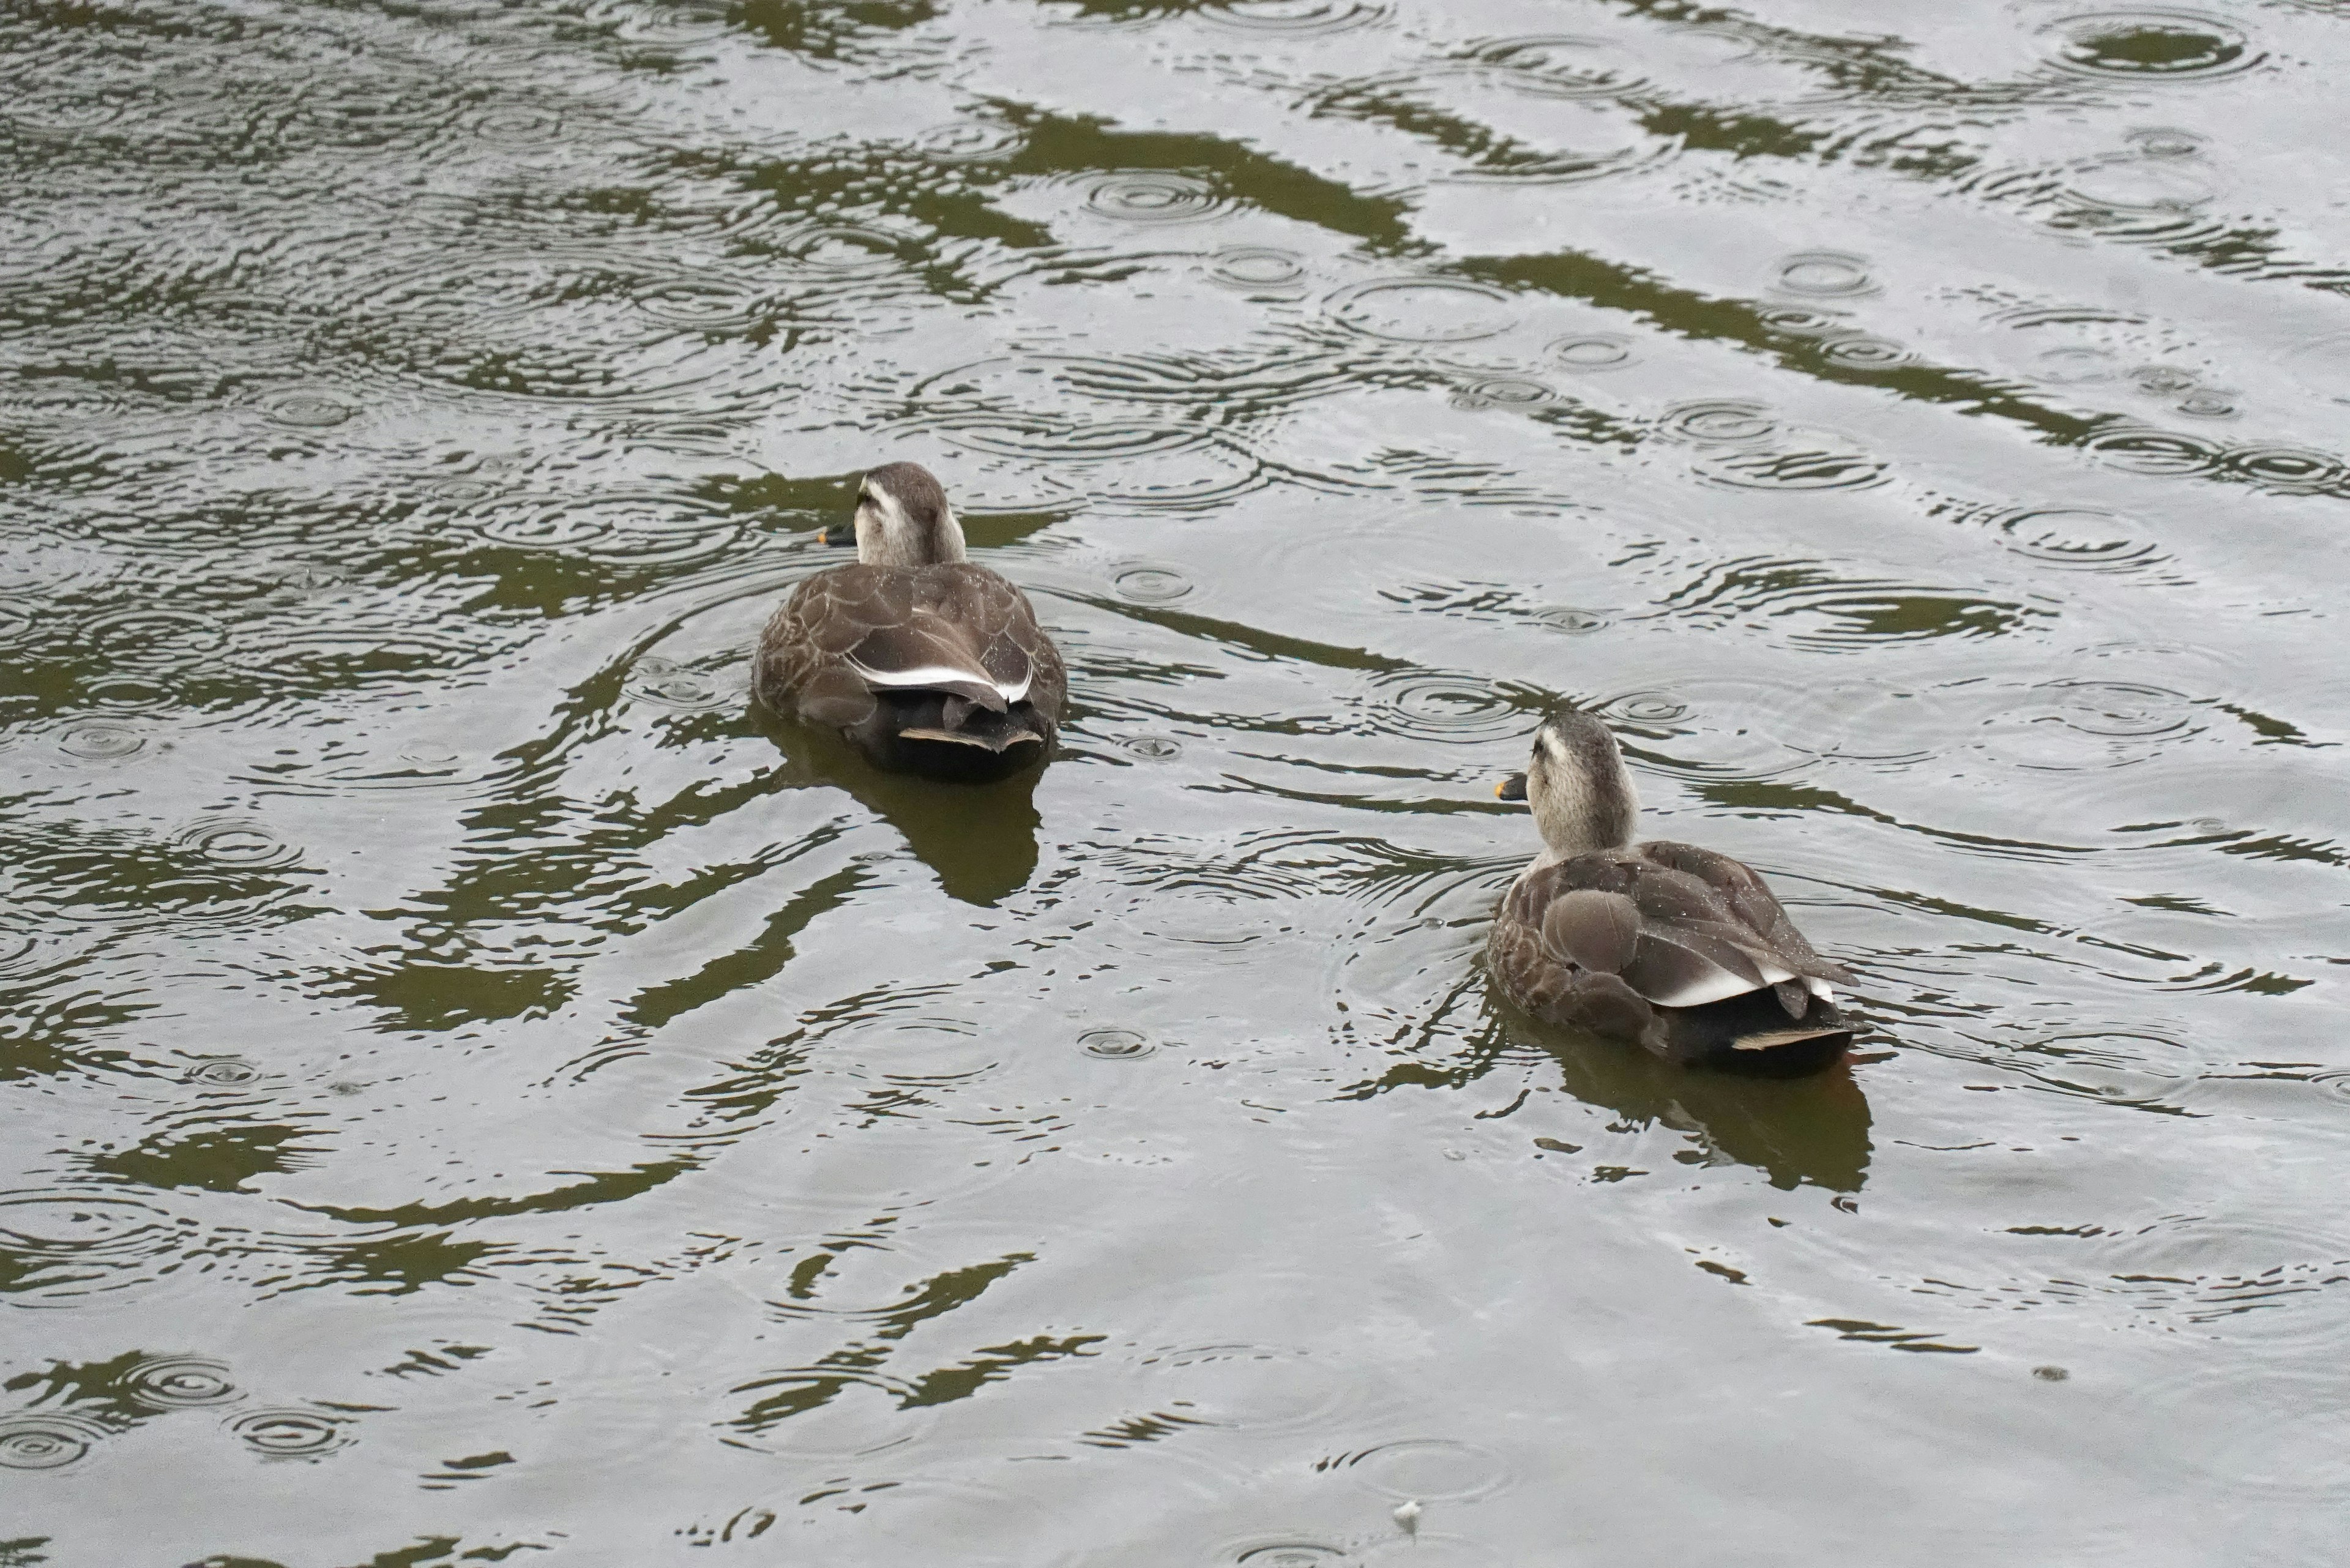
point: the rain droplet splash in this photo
(290, 1434)
(1424, 1470)
(1115, 1044)
(1423, 310)
(1826, 275)
(1593, 351)
(2142, 448)
(1561, 67)
(102, 743)
(45, 1442)
(1156, 196)
(179, 1382)
(2151, 46)
(1503, 392)
(1433, 705)
(2077, 537)
(223, 1073)
(1719, 422)
(1295, 17)
(1255, 267)
(1867, 353)
(1150, 583)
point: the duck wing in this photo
(1673, 937)
(848, 635)
(1740, 888)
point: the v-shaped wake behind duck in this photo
(1677, 949)
(925, 663)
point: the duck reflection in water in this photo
(981, 842)
(1814, 1128)
(913, 675)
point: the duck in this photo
(1679, 949)
(922, 661)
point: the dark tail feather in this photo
(1751, 1033)
(944, 735)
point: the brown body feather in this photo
(1677, 949)
(938, 669)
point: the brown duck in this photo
(1676, 949)
(923, 662)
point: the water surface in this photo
(477, 1092)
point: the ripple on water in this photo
(1423, 310)
(2274, 1433)
(2292, 469)
(138, 637)
(847, 250)
(669, 684)
(2143, 449)
(1719, 422)
(702, 301)
(1503, 392)
(1801, 321)
(40, 1440)
(2150, 45)
(1115, 1044)
(1297, 16)
(827, 1412)
(1441, 705)
(2141, 183)
(59, 1247)
(1561, 66)
(555, 528)
(222, 1071)
(1864, 353)
(2086, 539)
(1824, 275)
(1797, 459)
(1283, 1551)
(291, 1433)
(969, 141)
(1253, 1387)
(181, 1383)
(1255, 267)
(1156, 196)
(1643, 710)
(102, 743)
(2324, 366)
(1592, 352)
(2064, 726)
(1150, 583)
(233, 841)
(1423, 1470)
(310, 410)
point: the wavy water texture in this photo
(456, 1045)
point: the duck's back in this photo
(1679, 949)
(950, 653)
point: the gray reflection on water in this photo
(458, 1047)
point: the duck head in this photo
(1577, 783)
(903, 519)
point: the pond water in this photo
(478, 1092)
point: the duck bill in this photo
(838, 537)
(1511, 788)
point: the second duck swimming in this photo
(1672, 947)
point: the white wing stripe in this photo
(941, 675)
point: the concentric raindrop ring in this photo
(41, 1441)
(289, 1434)
(181, 1383)
(1155, 196)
